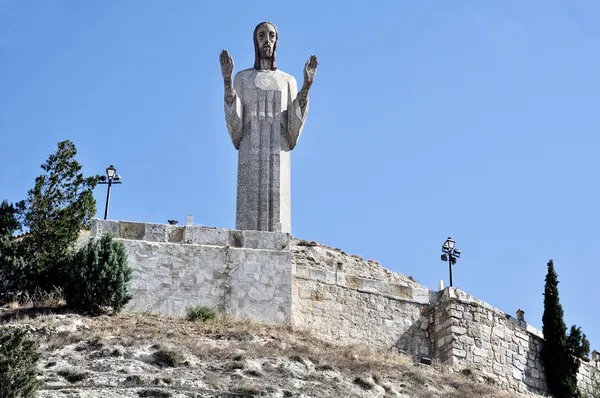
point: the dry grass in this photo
(40, 299)
(238, 335)
(231, 342)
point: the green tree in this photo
(12, 267)
(8, 219)
(561, 353)
(18, 364)
(15, 275)
(59, 205)
(99, 276)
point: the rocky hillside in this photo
(144, 355)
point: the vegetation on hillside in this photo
(18, 364)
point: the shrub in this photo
(200, 313)
(99, 276)
(18, 364)
(167, 358)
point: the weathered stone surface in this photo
(99, 228)
(168, 278)
(200, 235)
(132, 230)
(155, 233)
(175, 234)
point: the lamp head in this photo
(110, 172)
(448, 245)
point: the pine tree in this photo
(13, 271)
(8, 219)
(18, 364)
(560, 354)
(59, 205)
(99, 276)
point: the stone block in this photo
(302, 271)
(155, 233)
(132, 230)
(371, 285)
(458, 330)
(460, 353)
(236, 239)
(175, 234)
(317, 274)
(517, 374)
(400, 291)
(265, 240)
(100, 227)
(199, 235)
(354, 281)
(421, 295)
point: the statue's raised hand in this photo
(226, 65)
(310, 70)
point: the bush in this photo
(18, 364)
(99, 276)
(200, 313)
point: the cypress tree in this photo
(555, 335)
(560, 353)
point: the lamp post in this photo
(111, 178)
(450, 254)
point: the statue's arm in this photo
(310, 71)
(233, 105)
(297, 112)
(298, 106)
(234, 112)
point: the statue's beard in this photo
(266, 53)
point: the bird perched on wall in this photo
(172, 222)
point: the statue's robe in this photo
(264, 121)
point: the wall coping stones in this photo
(394, 291)
(192, 235)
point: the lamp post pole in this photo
(111, 178)
(107, 198)
(450, 254)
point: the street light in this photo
(450, 254)
(111, 178)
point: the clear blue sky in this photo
(472, 119)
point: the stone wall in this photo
(588, 377)
(468, 333)
(244, 273)
(349, 300)
(339, 297)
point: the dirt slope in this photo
(143, 355)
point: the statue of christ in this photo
(265, 115)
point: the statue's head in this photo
(265, 44)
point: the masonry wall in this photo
(337, 297)
(506, 351)
(244, 273)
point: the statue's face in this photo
(266, 37)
